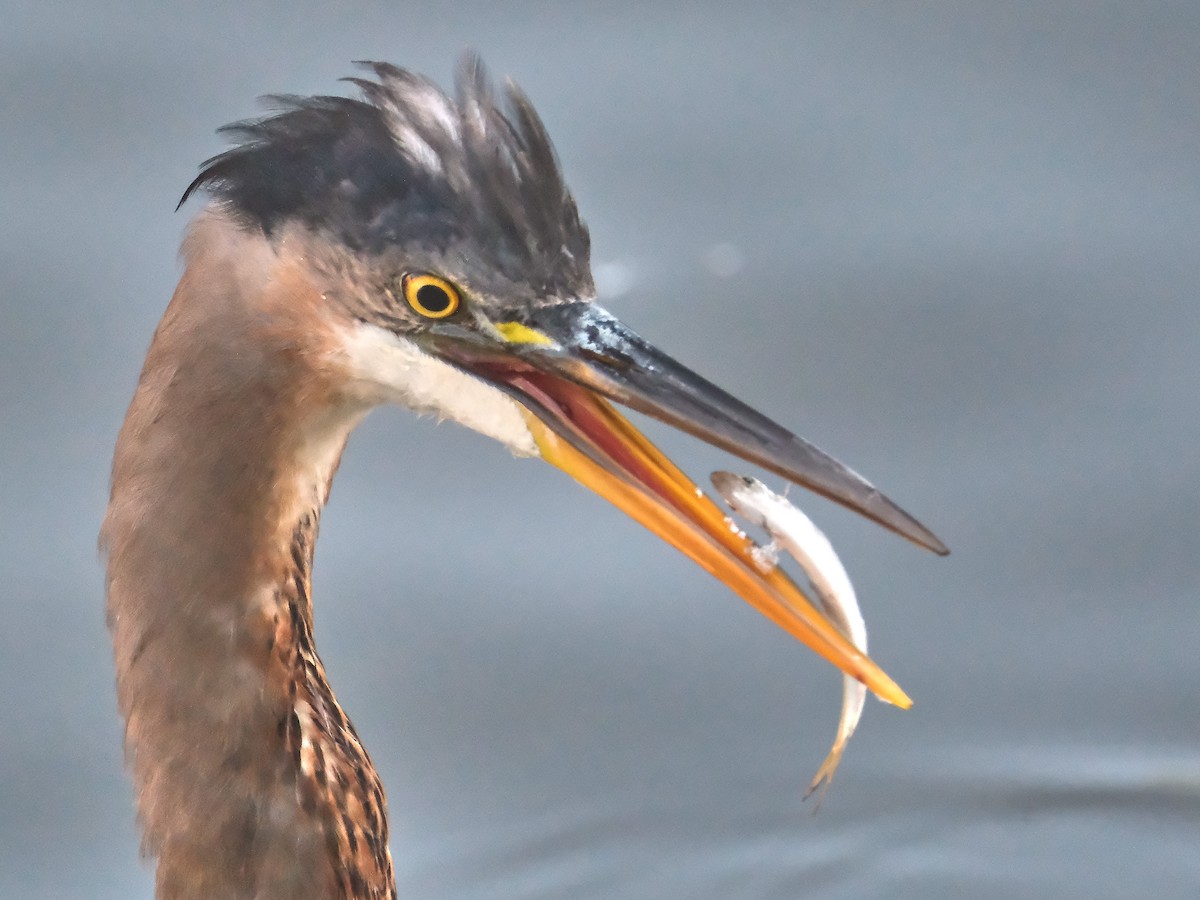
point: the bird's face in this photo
(460, 264)
(562, 362)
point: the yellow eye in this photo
(432, 297)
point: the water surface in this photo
(954, 245)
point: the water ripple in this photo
(996, 823)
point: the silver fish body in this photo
(792, 531)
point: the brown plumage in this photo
(252, 781)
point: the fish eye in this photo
(430, 296)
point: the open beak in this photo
(561, 362)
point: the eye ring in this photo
(430, 296)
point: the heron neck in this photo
(251, 781)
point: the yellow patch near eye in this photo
(516, 333)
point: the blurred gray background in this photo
(953, 244)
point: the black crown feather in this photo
(408, 163)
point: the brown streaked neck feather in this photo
(251, 781)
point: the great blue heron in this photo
(409, 248)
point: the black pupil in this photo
(433, 298)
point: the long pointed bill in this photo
(557, 363)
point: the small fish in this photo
(792, 531)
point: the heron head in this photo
(452, 253)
